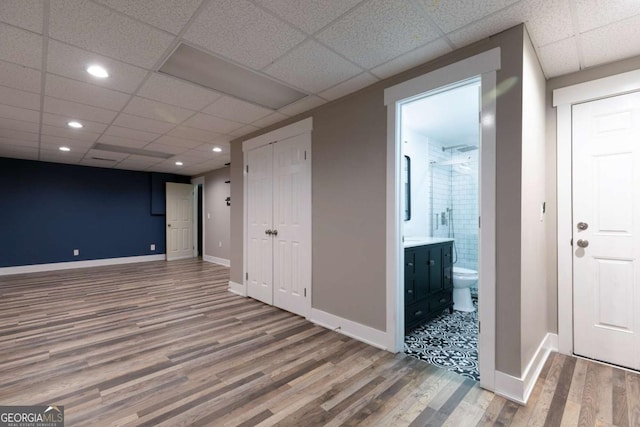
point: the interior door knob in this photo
(168, 225)
(583, 243)
(268, 232)
(275, 232)
(582, 226)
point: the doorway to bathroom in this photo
(441, 215)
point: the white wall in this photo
(416, 146)
(534, 285)
(217, 214)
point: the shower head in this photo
(466, 148)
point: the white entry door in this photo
(260, 221)
(179, 220)
(291, 223)
(279, 224)
(606, 234)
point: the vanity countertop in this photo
(411, 242)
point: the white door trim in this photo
(563, 99)
(485, 65)
(294, 129)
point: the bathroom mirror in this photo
(406, 185)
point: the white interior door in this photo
(260, 221)
(606, 200)
(179, 220)
(291, 219)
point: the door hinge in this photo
(480, 117)
(246, 276)
(305, 292)
(305, 154)
(571, 242)
(479, 326)
(479, 222)
(247, 168)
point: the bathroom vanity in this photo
(428, 279)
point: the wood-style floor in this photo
(165, 344)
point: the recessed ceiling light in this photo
(97, 71)
(64, 149)
(217, 149)
(179, 163)
(75, 125)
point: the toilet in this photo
(463, 280)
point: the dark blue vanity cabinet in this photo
(428, 282)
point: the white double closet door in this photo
(279, 224)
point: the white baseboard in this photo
(237, 288)
(37, 268)
(352, 329)
(519, 389)
(216, 260)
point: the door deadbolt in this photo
(583, 243)
(582, 226)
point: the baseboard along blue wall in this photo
(51, 209)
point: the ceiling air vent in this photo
(195, 66)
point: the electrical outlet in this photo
(219, 244)
(153, 247)
(76, 252)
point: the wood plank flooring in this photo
(165, 344)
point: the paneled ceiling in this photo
(324, 48)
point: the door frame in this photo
(484, 65)
(289, 131)
(563, 100)
(198, 181)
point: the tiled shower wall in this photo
(454, 201)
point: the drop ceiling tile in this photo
(352, 85)
(243, 32)
(85, 24)
(170, 90)
(70, 133)
(19, 98)
(25, 47)
(72, 62)
(378, 31)
(18, 152)
(312, 67)
(127, 133)
(451, 15)
(194, 134)
(208, 166)
(21, 13)
(305, 104)
(208, 148)
(96, 163)
(592, 14)
(412, 59)
(84, 93)
(123, 142)
(53, 143)
(193, 157)
(604, 45)
(15, 113)
(58, 156)
(78, 111)
(29, 134)
(547, 20)
(143, 124)
(163, 148)
(244, 130)
(234, 109)
(107, 154)
(18, 142)
(173, 141)
(309, 15)
(19, 77)
(61, 122)
(157, 110)
(169, 15)
(135, 162)
(269, 120)
(212, 123)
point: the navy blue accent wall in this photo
(50, 209)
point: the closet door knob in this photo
(268, 232)
(275, 232)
